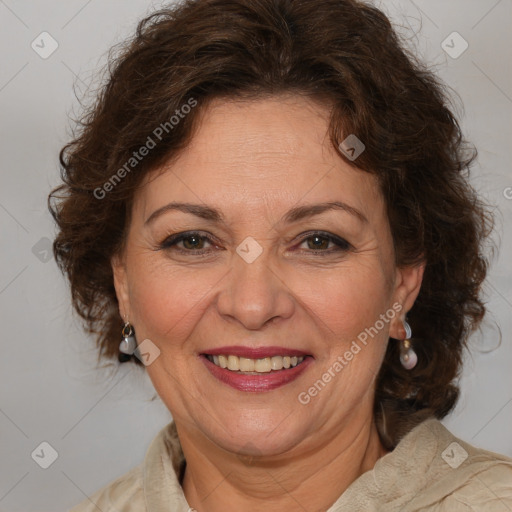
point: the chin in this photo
(262, 436)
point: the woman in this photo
(268, 201)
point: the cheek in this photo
(165, 300)
(348, 300)
(354, 309)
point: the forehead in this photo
(268, 153)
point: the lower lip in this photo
(263, 382)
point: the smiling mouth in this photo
(243, 365)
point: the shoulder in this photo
(485, 481)
(463, 477)
(489, 488)
(125, 493)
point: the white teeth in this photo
(233, 363)
(246, 365)
(277, 362)
(262, 365)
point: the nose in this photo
(254, 293)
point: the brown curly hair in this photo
(341, 52)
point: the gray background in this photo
(99, 421)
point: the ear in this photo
(121, 286)
(407, 287)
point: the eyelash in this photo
(171, 241)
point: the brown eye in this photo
(319, 243)
(191, 242)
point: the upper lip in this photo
(255, 352)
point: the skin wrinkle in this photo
(316, 304)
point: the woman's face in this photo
(267, 277)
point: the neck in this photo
(308, 481)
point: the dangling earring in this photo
(408, 357)
(128, 344)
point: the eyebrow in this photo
(293, 215)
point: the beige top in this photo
(429, 470)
